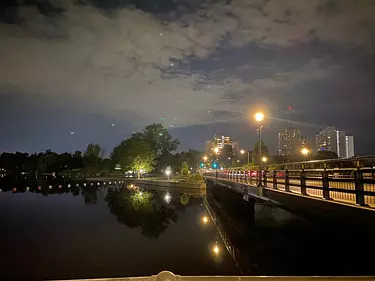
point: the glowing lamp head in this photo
(205, 158)
(242, 151)
(264, 159)
(305, 151)
(259, 116)
(216, 149)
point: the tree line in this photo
(151, 150)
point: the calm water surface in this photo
(107, 232)
(122, 230)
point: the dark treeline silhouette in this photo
(14, 164)
(151, 150)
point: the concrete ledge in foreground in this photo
(169, 276)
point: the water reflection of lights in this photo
(205, 219)
(167, 197)
(216, 249)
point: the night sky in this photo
(103, 69)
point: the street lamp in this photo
(216, 149)
(205, 158)
(305, 152)
(168, 172)
(259, 116)
(248, 155)
(264, 159)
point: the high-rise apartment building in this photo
(208, 148)
(336, 141)
(349, 141)
(219, 141)
(290, 142)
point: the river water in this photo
(111, 230)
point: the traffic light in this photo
(215, 165)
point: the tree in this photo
(184, 169)
(93, 149)
(255, 155)
(134, 154)
(191, 156)
(158, 138)
(153, 145)
(226, 156)
(321, 155)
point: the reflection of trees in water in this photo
(90, 195)
(145, 210)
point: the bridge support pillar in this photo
(234, 202)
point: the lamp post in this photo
(305, 152)
(248, 155)
(259, 116)
(216, 150)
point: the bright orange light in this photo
(205, 219)
(205, 158)
(216, 149)
(216, 249)
(242, 151)
(305, 151)
(259, 116)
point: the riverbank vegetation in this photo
(149, 151)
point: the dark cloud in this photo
(198, 64)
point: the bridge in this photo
(338, 189)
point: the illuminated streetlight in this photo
(168, 172)
(216, 149)
(259, 116)
(242, 151)
(264, 159)
(305, 152)
(205, 158)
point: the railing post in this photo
(325, 179)
(264, 178)
(274, 180)
(303, 180)
(287, 180)
(359, 194)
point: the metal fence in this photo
(345, 180)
